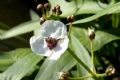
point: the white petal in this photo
(39, 46)
(53, 28)
(59, 49)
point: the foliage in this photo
(17, 61)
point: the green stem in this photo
(47, 13)
(57, 16)
(80, 78)
(82, 63)
(70, 28)
(44, 14)
(92, 54)
(101, 75)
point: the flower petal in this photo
(53, 28)
(60, 49)
(39, 46)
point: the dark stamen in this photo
(51, 42)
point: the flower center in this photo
(51, 42)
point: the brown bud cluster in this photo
(110, 71)
(57, 10)
(70, 19)
(63, 76)
(43, 6)
(46, 6)
(91, 34)
(39, 6)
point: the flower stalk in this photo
(82, 63)
(89, 76)
(91, 35)
(70, 20)
(92, 54)
(70, 28)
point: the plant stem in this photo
(80, 78)
(70, 28)
(101, 75)
(82, 63)
(92, 54)
(44, 14)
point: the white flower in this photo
(52, 40)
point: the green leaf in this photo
(102, 38)
(77, 6)
(110, 9)
(50, 68)
(1, 31)
(8, 58)
(115, 20)
(4, 26)
(21, 29)
(33, 15)
(83, 55)
(23, 66)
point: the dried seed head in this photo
(110, 71)
(91, 34)
(42, 20)
(46, 6)
(70, 18)
(40, 6)
(63, 76)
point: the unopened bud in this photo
(58, 12)
(63, 76)
(70, 18)
(57, 7)
(54, 10)
(91, 33)
(46, 6)
(39, 6)
(42, 20)
(110, 71)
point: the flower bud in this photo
(39, 6)
(46, 6)
(91, 34)
(63, 76)
(57, 7)
(54, 9)
(70, 18)
(42, 20)
(58, 12)
(110, 71)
